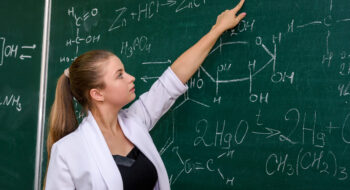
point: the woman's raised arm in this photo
(188, 63)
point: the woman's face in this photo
(119, 85)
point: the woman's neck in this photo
(107, 120)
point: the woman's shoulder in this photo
(73, 137)
(70, 141)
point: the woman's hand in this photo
(228, 19)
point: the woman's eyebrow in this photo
(119, 70)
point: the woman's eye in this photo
(120, 75)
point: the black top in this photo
(137, 170)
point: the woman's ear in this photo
(96, 95)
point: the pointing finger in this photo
(238, 7)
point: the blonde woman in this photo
(112, 148)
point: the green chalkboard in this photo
(20, 62)
(268, 109)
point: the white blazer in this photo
(82, 160)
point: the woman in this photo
(112, 148)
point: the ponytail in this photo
(62, 120)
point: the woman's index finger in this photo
(238, 7)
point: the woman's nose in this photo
(132, 78)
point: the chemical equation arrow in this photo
(157, 63)
(170, 3)
(145, 78)
(22, 57)
(271, 133)
(274, 132)
(29, 47)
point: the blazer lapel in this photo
(100, 152)
(138, 136)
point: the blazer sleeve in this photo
(58, 175)
(152, 105)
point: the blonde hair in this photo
(85, 73)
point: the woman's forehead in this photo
(115, 63)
